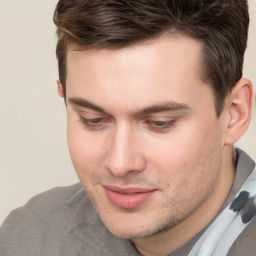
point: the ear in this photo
(60, 89)
(239, 109)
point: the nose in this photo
(125, 153)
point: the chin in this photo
(129, 234)
(130, 228)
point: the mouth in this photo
(128, 198)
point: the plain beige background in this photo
(33, 150)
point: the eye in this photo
(160, 126)
(97, 123)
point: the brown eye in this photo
(94, 123)
(95, 120)
(160, 125)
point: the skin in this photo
(141, 117)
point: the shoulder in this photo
(59, 222)
(44, 203)
(245, 244)
(26, 226)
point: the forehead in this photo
(171, 50)
(167, 68)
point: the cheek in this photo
(185, 154)
(85, 151)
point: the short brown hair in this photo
(221, 25)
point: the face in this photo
(143, 133)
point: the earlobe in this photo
(60, 89)
(239, 109)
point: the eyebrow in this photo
(162, 107)
(85, 103)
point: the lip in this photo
(128, 198)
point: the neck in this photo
(166, 242)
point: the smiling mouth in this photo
(128, 198)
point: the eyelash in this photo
(160, 126)
(154, 125)
(94, 123)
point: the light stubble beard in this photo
(175, 208)
(161, 224)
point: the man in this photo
(155, 100)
